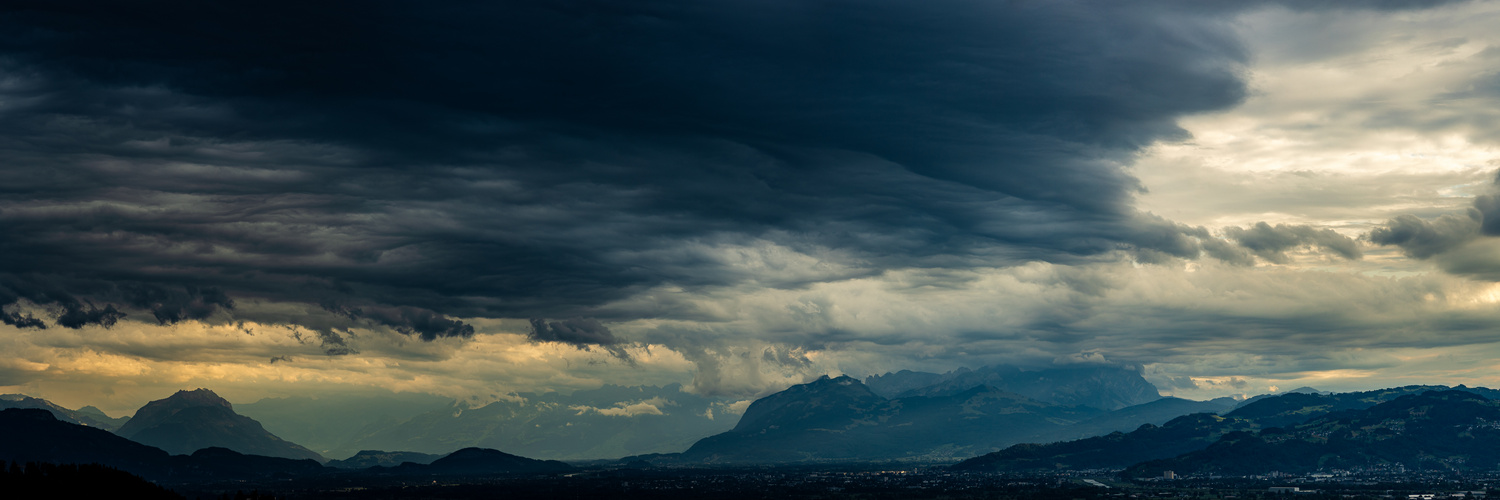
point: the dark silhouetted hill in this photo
(1119, 449)
(46, 480)
(482, 462)
(1184, 434)
(34, 435)
(1452, 430)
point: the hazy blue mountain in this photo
(842, 419)
(1103, 387)
(1436, 430)
(1299, 390)
(1156, 412)
(608, 422)
(893, 383)
(192, 420)
(372, 458)
(1298, 407)
(94, 418)
(327, 422)
(99, 415)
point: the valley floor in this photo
(803, 483)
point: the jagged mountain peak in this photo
(197, 397)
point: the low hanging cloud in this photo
(171, 306)
(583, 333)
(1421, 239)
(1272, 242)
(1463, 244)
(651, 406)
(53, 295)
(422, 323)
(578, 332)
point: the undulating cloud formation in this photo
(478, 198)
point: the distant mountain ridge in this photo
(1189, 433)
(1442, 430)
(29, 434)
(842, 419)
(329, 423)
(1102, 387)
(34, 435)
(910, 415)
(604, 423)
(193, 420)
(87, 415)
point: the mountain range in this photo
(844, 419)
(87, 415)
(1190, 433)
(34, 435)
(1444, 430)
(196, 434)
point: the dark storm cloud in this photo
(583, 333)
(422, 323)
(1422, 239)
(1271, 242)
(66, 307)
(579, 331)
(171, 306)
(543, 158)
(1454, 241)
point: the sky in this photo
(476, 199)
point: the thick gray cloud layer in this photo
(397, 166)
(539, 159)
